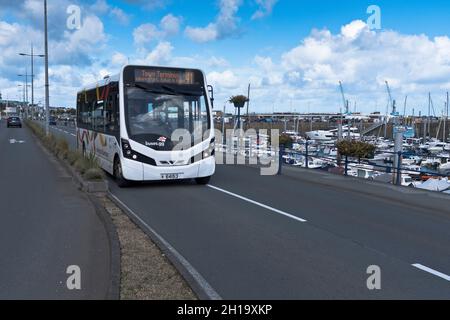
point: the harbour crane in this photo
(391, 101)
(343, 98)
(404, 109)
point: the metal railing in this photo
(345, 165)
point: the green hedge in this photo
(357, 149)
(87, 166)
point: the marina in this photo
(424, 161)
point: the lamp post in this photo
(47, 102)
(32, 55)
(25, 84)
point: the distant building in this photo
(9, 107)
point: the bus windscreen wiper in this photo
(151, 90)
(183, 92)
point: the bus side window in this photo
(109, 114)
(117, 112)
(112, 111)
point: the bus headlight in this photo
(127, 151)
(211, 150)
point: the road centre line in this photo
(257, 203)
(432, 271)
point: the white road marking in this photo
(433, 272)
(13, 141)
(210, 292)
(258, 204)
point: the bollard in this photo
(346, 165)
(257, 142)
(280, 159)
(399, 165)
(307, 156)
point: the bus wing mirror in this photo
(211, 95)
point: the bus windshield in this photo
(153, 114)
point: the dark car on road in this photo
(14, 122)
(52, 121)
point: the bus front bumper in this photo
(136, 171)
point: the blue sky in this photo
(293, 52)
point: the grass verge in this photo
(86, 166)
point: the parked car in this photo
(14, 122)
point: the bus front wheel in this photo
(202, 181)
(118, 174)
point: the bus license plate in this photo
(170, 176)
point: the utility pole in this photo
(32, 76)
(25, 84)
(23, 92)
(404, 110)
(47, 102)
(223, 124)
(429, 116)
(445, 120)
(345, 104)
(248, 104)
(32, 55)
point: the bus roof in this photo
(101, 83)
(116, 77)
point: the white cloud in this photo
(8, 33)
(225, 25)
(100, 7)
(120, 16)
(148, 32)
(202, 35)
(150, 5)
(119, 59)
(354, 29)
(215, 62)
(170, 24)
(160, 55)
(265, 8)
(308, 74)
(71, 53)
(226, 79)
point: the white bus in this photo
(149, 123)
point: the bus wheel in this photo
(118, 175)
(202, 181)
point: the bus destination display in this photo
(164, 76)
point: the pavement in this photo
(301, 235)
(46, 226)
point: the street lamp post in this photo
(32, 55)
(25, 84)
(47, 103)
(24, 87)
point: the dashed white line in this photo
(432, 271)
(258, 204)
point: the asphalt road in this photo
(291, 237)
(46, 226)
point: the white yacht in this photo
(320, 135)
(330, 135)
